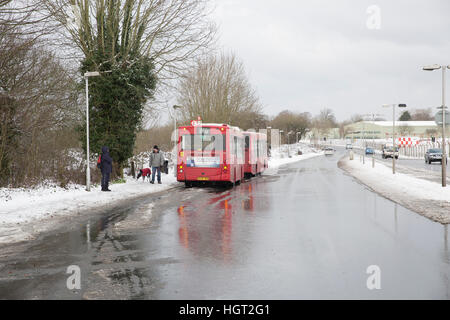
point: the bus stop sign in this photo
(438, 118)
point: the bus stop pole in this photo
(444, 152)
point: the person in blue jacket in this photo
(106, 167)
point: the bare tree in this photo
(37, 99)
(344, 129)
(157, 135)
(422, 115)
(324, 121)
(26, 18)
(289, 121)
(170, 32)
(252, 120)
(356, 118)
(217, 90)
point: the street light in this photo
(279, 137)
(308, 134)
(444, 151)
(175, 140)
(364, 142)
(401, 105)
(88, 170)
(269, 144)
(373, 136)
(289, 145)
(175, 107)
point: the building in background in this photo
(383, 129)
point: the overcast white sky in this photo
(307, 55)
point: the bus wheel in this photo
(188, 184)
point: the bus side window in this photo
(186, 142)
(258, 152)
(242, 150)
(239, 149)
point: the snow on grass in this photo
(22, 208)
(382, 176)
(276, 162)
(425, 197)
(281, 158)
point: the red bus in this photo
(210, 153)
(255, 153)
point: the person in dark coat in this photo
(106, 167)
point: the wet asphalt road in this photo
(417, 167)
(306, 231)
(434, 167)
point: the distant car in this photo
(433, 155)
(388, 152)
(329, 151)
(349, 146)
(369, 151)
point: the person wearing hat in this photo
(106, 167)
(156, 162)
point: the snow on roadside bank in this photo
(279, 159)
(425, 197)
(26, 212)
(277, 162)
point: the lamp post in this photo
(364, 142)
(88, 170)
(308, 134)
(269, 141)
(289, 145)
(279, 137)
(444, 151)
(402, 105)
(175, 140)
(373, 136)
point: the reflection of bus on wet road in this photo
(210, 153)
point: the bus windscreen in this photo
(203, 142)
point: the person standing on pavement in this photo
(156, 162)
(106, 167)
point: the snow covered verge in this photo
(425, 197)
(24, 213)
(277, 162)
(281, 158)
